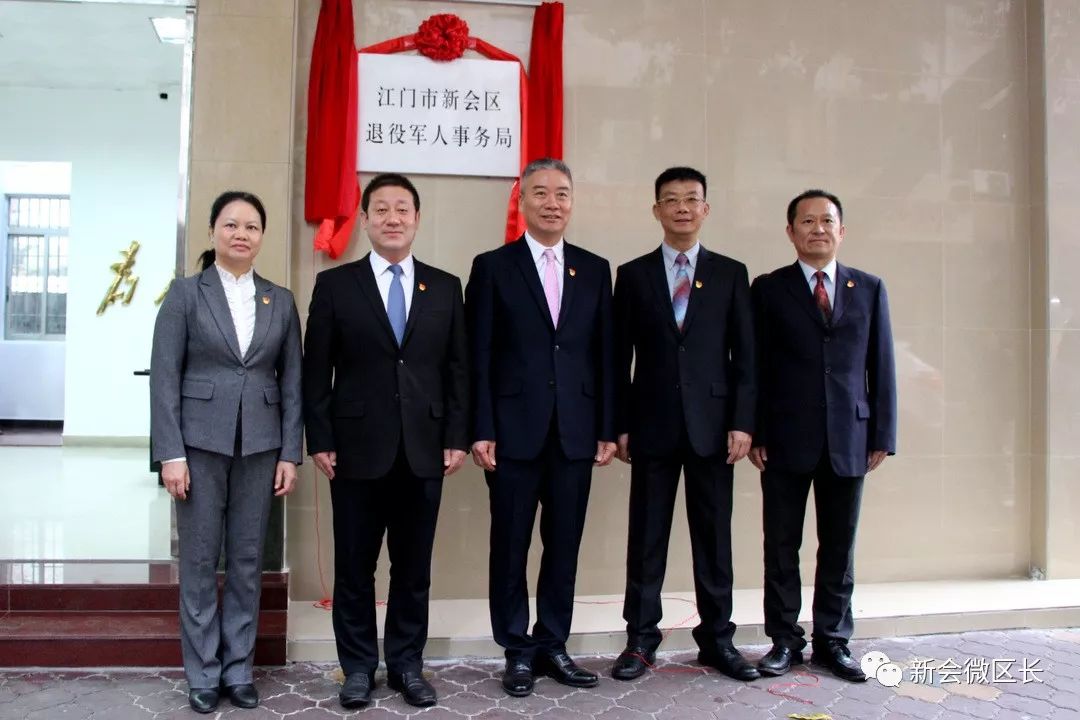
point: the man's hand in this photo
(605, 451)
(875, 459)
(758, 457)
(175, 477)
(326, 461)
(483, 454)
(452, 460)
(623, 450)
(284, 478)
(738, 445)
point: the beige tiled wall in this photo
(925, 116)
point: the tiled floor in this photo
(678, 689)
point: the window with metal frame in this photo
(37, 266)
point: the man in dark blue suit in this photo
(683, 320)
(826, 416)
(539, 314)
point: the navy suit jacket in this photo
(824, 383)
(700, 378)
(525, 370)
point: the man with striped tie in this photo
(683, 316)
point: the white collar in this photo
(809, 270)
(227, 278)
(379, 264)
(670, 254)
(537, 249)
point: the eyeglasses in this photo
(674, 203)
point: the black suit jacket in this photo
(702, 378)
(525, 369)
(824, 382)
(363, 395)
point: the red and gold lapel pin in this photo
(422, 287)
(572, 272)
(851, 283)
(698, 284)
(266, 299)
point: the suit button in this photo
(828, 370)
(401, 361)
(823, 403)
(682, 348)
(397, 396)
(551, 383)
(240, 371)
(676, 386)
(827, 338)
(556, 348)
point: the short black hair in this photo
(231, 196)
(813, 193)
(389, 180)
(673, 174)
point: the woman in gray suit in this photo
(225, 422)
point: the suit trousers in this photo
(560, 486)
(405, 508)
(836, 505)
(654, 482)
(230, 496)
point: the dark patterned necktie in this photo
(821, 296)
(680, 297)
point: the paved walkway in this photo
(1015, 675)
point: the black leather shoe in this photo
(560, 668)
(779, 660)
(356, 690)
(835, 657)
(632, 662)
(414, 689)
(243, 696)
(730, 662)
(517, 679)
(203, 700)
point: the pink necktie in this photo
(551, 285)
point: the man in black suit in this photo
(540, 328)
(385, 403)
(683, 315)
(826, 416)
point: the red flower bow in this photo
(442, 37)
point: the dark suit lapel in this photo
(264, 312)
(214, 293)
(840, 291)
(365, 276)
(795, 282)
(532, 278)
(571, 262)
(703, 275)
(657, 272)
(420, 293)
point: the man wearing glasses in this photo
(683, 316)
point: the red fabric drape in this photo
(331, 191)
(545, 118)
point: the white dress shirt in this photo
(670, 254)
(830, 279)
(383, 277)
(240, 294)
(537, 251)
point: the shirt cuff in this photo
(172, 460)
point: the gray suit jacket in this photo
(199, 383)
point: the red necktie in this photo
(821, 296)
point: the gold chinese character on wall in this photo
(121, 276)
